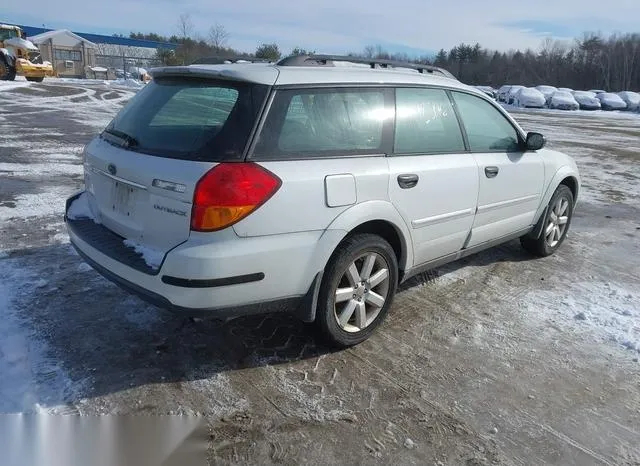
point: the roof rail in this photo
(225, 60)
(327, 60)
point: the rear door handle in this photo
(407, 181)
(491, 172)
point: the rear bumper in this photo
(295, 305)
(230, 276)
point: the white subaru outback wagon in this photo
(314, 185)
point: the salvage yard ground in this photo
(498, 359)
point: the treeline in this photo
(590, 62)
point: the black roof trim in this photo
(328, 60)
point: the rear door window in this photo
(306, 123)
(186, 118)
(426, 123)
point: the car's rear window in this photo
(187, 118)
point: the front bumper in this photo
(32, 70)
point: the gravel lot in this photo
(498, 359)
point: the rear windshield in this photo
(186, 118)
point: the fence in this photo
(125, 67)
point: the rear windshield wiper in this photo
(127, 140)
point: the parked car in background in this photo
(587, 100)
(597, 91)
(490, 91)
(563, 100)
(632, 99)
(611, 101)
(502, 93)
(530, 97)
(547, 92)
(511, 95)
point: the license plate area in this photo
(123, 199)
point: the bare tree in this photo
(185, 25)
(218, 36)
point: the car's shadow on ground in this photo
(107, 341)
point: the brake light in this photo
(229, 192)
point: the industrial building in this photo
(77, 54)
(69, 53)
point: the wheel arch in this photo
(381, 218)
(566, 175)
(572, 183)
(376, 217)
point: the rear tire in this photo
(555, 224)
(357, 290)
(35, 80)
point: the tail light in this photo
(229, 192)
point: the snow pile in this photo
(153, 257)
(84, 207)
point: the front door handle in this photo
(407, 181)
(491, 172)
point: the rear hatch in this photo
(143, 169)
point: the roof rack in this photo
(328, 60)
(226, 60)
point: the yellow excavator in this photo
(20, 57)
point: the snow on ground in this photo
(609, 114)
(9, 85)
(606, 150)
(36, 204)
(120, 82)
(30, 379)
(602, 312)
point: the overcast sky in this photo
(338, 26)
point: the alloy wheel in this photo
(557, 222)
(362, 292)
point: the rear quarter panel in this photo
(301, 202)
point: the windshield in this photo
(8, 34)
(187, 118)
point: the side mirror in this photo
(535, 141)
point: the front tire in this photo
(7, 72)
(357, 289)
(555, 224)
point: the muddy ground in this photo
(497, 359)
